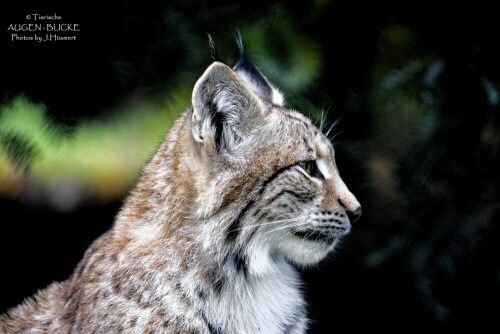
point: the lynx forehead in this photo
(240, 192)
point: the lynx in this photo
(240, 193)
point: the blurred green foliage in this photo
(99, 158)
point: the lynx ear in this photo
(225, 110)
(254, 78)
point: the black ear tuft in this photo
(213, 49)
(254, 78)
(239, 42)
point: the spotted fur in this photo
(241, 191)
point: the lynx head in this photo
(267, 179)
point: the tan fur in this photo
(205, 242)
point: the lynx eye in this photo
(311, 168)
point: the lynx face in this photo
(306, 208)
(274, 188)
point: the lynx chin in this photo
(241, 191)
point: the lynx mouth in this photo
(327, 235)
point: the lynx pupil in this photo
(311, 168)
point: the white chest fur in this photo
(267, 304)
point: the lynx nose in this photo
(351, 206)
(354, 215)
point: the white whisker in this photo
(327, 133)
(285, 235)
(271, 222)
(283, 226)
(335, 135)
(321, 118)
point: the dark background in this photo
(416, 86)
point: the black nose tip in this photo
(354, 215)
